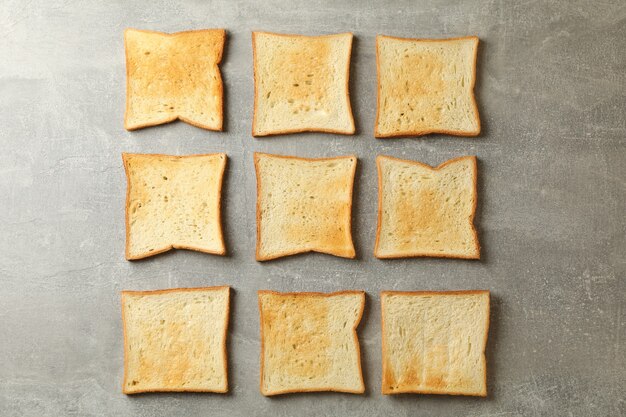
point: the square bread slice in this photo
(175, 340)
(309, 342)
(173, 202)
(174, 76)
(304, 205)
(425, 211)
(426, 86)
(301, 84)
(434, 342)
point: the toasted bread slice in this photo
(434, 342)
(173, 202)
(174, 76)
(309, 342)
(304, 205)
(425, 211)
(175, 340)
(426, 86)
(301, 84)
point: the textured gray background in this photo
(552, 201)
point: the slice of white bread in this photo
(309, 342)
(175, 340)
(434, 342)
(174, 76)
(173, 202)
(425, 211)
(301, 84)
(426, 86)
(304, 205)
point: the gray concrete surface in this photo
(551, 92)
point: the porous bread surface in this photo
(173, 202)
(175, 340)
(426, 86)
(309, 342)
(435, 342)
(301, 83)
(425, 211)
(304, 205)
(174, 76)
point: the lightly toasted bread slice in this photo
(425, 211)
(426, 86)
(309, 342)
(175, 340)
(301, 84)
(173, 202)
(434, 342)
(174, 76)
(304, 205)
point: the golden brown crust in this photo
(173, 246)
(177, 117)
(356, 339)
(379, 135)
(453, 292)
(153, 292)
(386, 371)
(258, 205)
(287, 131)
(440, 166)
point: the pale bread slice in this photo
(173, 202)
(304, 205)
(175, 340)
(425, 211)
(426, 86)
(301, 84)
(174, 76)
(309, 342)
(434, 342)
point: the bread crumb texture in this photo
(301, 83)
(427, 211)
(174, 77)
(310, 343)
(175, 340)
(434, 343)
(304, 205)
(426, 86)
(173, 202)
